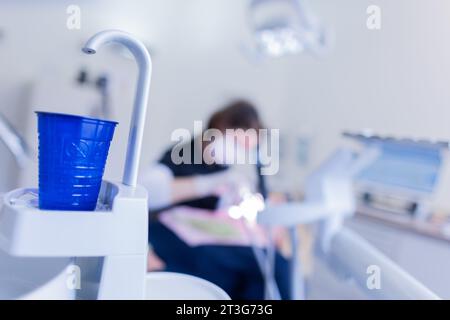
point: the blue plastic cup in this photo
(72, 158)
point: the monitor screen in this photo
(410, 167)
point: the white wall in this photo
(393, 80)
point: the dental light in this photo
(286, 27)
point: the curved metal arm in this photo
(144, 63)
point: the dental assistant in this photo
(203, 185)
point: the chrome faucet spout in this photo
(144, 62)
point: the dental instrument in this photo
(268, 267)
(246, 212)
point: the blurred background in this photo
(392, 82)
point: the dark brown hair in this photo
(238, 114)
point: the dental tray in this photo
(25, 230)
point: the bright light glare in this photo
(249, 207)
(235, 212)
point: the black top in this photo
(192, 169)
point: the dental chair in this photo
(329, 200)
